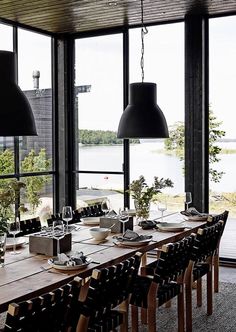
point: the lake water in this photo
(146, 159)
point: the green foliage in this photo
(9, 193)
(100, 137)
(175, 143)
(6, 162)
(143, 194)
(35, 163)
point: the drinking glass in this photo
(188, 199)
(123, 218)
(58, 233)
(162, 206)
(105, 206)
(14, 228)
(67, 215)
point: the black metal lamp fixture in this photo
(16, 116)
(142, 118)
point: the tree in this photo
(34, 162)
(175, 143)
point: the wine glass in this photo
(14, 228)
(188, 199)
(67, 215)
(162, 206)
(123, 218)
(105, 206)
(58, 233)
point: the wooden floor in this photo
(228, 240)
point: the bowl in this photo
(99, 233)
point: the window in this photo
(99, 92)
(163, 65)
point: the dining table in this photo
(27, 274)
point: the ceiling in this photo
(74, 16)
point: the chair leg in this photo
(209, 293)
(151, 316)
(199, 292)
(188, 304)
(144, 318)
(216, 273)
(134, 318)
(124, 308)
(180, 300)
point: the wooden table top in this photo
(23, 277)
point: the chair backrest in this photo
(56, 311)
(108, 288)
(173, 261)
(206, 241)
(213, 219)
(30, 226)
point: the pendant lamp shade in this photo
(16, 116)
(142, 118)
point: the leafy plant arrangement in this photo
(144, 194)
(9, 193)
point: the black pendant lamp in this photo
(16, 116)
(142, 118)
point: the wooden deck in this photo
(228, 240)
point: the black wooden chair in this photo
(108, 288)
(56, 311)
(30, 226)
(211, 220)
(201, 264)
(164, 281)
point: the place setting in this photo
(131, 239)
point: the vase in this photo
(142, 209)
(3, 237)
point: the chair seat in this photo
(165, 292)
(200, 269)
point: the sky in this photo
(99, 64)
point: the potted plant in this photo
(144, 194)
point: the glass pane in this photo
(6, 155)
(94, 188)
(6, 40)
(163, 65)
(222, 185)
(35, 60)
(99, 91)
(37, 197)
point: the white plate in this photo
(10, 242)
(197, 218)
(134, 243)
(69, 268)
(171, 227)
(91, 220)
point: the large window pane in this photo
(6, 40)
(34, 52)
(99, 90)
(95, 187)
(37, 197)
(163, 65)
(222, 107)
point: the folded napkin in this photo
(191, 212)
(77, 258)
(132, 237)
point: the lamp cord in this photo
(144, 31)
